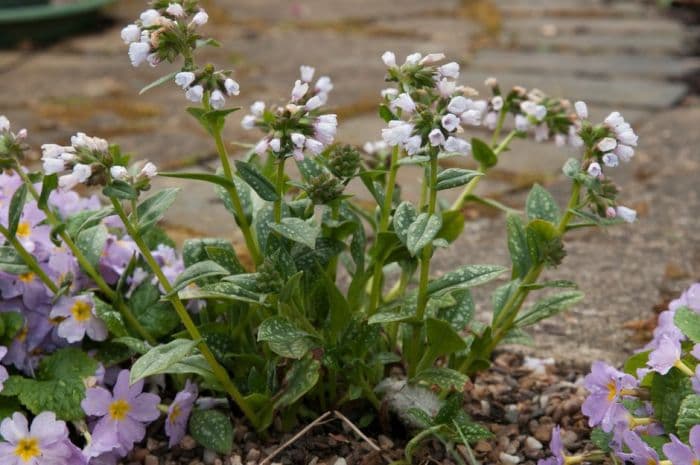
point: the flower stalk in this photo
(29, 260)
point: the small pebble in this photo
(235, 460)
(532, 443)
(340, 461)
(188, 443)
(209, 456)
(508, 459)
(151, 460)
(253, 455)
(385, 442)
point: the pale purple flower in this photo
(217, 99)
(248, 122)
(325, 128)
(497, 103)
(3, 371)
(458, 105)
(413, 59)
(201, 18)
(450, 122)
(119, 173)
(627, 214)
(79, 319)
(557, 448)
(175, 9)
(195, 94)
(170, 262)
(449, 70)
(603, 405)
(594, 170)
(314, 103)
(149, 17)
(313, 146)
(300, 89)
(324, 85)
(404, 102)
(541, 132)
(123, 414)
(521, 123)
(624, 152)
(185, 79)
(116, 257)
(679, 453)
(413, 144)
(640, 452)
(446, 87)
(607, 144)
(665, 355)
(138, 53)
(611, 160)
(397, 132)
(457, 145)
(471, 117)
(179, 413)
(46, 443)
(389, 59)
(131, 33)
(436, 137)
(307, 73)
(432, 58)
(232, 87)
(149, 171)
(581, 109)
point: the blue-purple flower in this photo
(640, 452)
(179, 413)
(557, 448)
(78, 318)
(46, 443)
(606, 386)
(666, 355)
(679, 453)
(123, 415)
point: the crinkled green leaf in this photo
(160, 358)
(465, 276)
(212, 429)
(151, 210)
(297, 230)
(541, 205)
(422, 232)
(256, 180)
(285, 338)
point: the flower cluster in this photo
(165, 31)
(216, 83)
(433, 106)
(634, 408)
(298, 127)
(12, 145)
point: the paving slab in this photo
(633, 92)
(628, 9)
(608, 65)
(554, 26)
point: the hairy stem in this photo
(219, 372)
(383, 226)
(87, 267)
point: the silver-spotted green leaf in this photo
(571, 168)
(390, 317)
(519, 337)
(548, 307)
(297, 230)
(459, 314)
(112, 318)
(80, 221)
(160, 358)
(11, 262)
(91, 243)
(200, 270)
(465, 276)
(299, 380)
(244, 195)
(225, 255)
(442, 339)
(444, 378)
(541, 205)
(19, 198)
(688, 416)
(455, 177)
(517, 246)
(256, 180)
(404, 216)
(151, 210)
(559, 283)
(422, 232)
(220, 291)
(137, 345)
(501, 295)
(285, 338)
(688, 321)
(212, 429)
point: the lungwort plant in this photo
(332, 296)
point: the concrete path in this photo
(623, 55)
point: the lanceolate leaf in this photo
(205, 269)
(255, 179)
(517, 245)
(422, 232)
(300, 379)
(11, 262)
(404, 216)
(455, 177)
(465, 276)
(160, 358)
(212, 429)
(297, 230)
(158, 82)
(541, 205)
(444, 378)
(483, 153)
(151, 210)
(49, 183)
(549, 306)
(285, 338)
(16, 208)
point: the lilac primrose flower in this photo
(123, 414)
(3, 371)
(679, 453)
(46, 443)
(666, 355)
(640, 452)
(557, 448)
(79, 319)
(606, 386)
(179, 413)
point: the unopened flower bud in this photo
(300, 89)
(413, 59)
(595, 170)
(232, 87)
(184, 79)
(131, 34)
(149, 171)
(431, 58)
(217, 99)
(627, 214)
(175, 9)
(119, 173)
(21, 134)
(581, 109)
(195, 94)
(389, 59)
(610, 212)
(491, 82)
(344, 161)
(307, 73)
(324, 188)
(324, 85)
(607, 144)
(450, 70)
(201, 18)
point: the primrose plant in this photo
(96, 301)
(649, 413)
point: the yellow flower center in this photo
(27, 449)
(22, 335)
(26, 277)
(612, 390)
(175, 413)
(651, 461)
(81, 310)
(24, 229)
(118, 409)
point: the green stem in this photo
(499, 125)
(85, 264)
(506, 318)
(471, 185)
(279, 183)
(383, 226)
(236, 200)
(29, 260)
(219, 371)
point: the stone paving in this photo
(624, 55)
